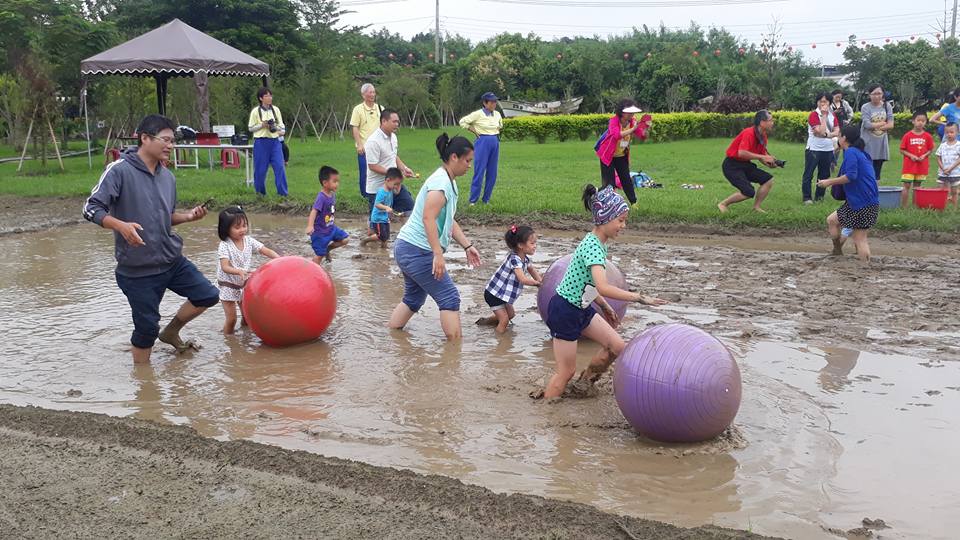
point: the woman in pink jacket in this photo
(614, 149)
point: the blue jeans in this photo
(821, 160)
(402, 202)
(486, 153)
(362, 165)
(418, 281)
(145, 293)
(267, 152)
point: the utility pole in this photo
(953, 26)
(436, 35)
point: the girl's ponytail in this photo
(589, 191)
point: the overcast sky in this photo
(804, 22)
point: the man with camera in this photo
(267, 127)
(738, 166)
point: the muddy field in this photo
(850, 391)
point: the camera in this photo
(780, 163)
(272, 124)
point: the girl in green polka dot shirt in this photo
(571, 314)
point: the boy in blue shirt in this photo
(383, 207)
(324, 234)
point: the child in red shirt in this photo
(916, 146)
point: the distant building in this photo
(835, 73)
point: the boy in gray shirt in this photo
(136, 198)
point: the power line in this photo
(841, 23)
(633, 3)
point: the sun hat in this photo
(632, 109)
(489, 96)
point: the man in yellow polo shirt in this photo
(486, 125)
(364, 121)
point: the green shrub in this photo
(788, 126)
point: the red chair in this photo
(111, 155)
(230, 158)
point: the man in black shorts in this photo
(739, 169)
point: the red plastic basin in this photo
(930, 198)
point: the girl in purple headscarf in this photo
(571, 313)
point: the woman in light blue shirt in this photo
(425, 237)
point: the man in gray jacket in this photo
(136, 198)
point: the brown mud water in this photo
(851, 383)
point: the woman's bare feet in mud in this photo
(172, 337)
(758, 209)
(837, 247)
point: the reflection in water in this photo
(840, 362)
(412, 399)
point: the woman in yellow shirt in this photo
(266, 124)
(486, 125)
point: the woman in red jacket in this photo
(614, 149)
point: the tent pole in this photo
(161, 94)
(86, 121)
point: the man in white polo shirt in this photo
(381, 152)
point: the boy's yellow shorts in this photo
(915, 178)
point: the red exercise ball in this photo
(289, 300)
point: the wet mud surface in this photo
(86, 475)
(849, 376)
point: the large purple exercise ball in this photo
(554, 274)
(677, 383)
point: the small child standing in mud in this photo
(324, 234)
(571, 313)
(236, 256)
(382, 208)
(507, 283)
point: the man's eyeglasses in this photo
(165, 140)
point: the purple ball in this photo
(677, 383)
(554, 274)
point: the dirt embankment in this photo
(84, 475)
(24, 214)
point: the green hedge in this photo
(788, 126)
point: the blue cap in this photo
(489, 96)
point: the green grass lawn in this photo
(544, 179)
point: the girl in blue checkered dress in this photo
(507, 283)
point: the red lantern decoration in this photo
(716, 52)
(696, 53)
(913, 38)
(764, 50)
(938, 35)
(790, 48)
(838, 44)
(741, 51)
(814, 46)
(887, 40)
